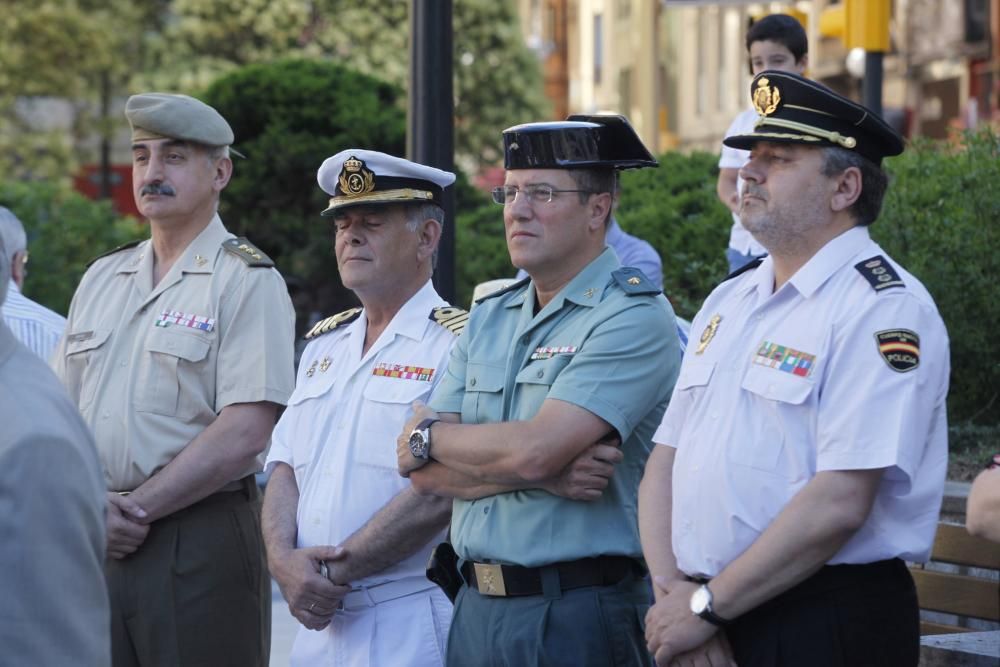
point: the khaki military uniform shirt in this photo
(151, 367)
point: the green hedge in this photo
(940, 220)
(65, 231)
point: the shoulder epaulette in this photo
(451, 318)
(877, 271)
(124, 246)
(331, 323)
(248, 252)
(749, 266)
(634, 282)
(509, 288)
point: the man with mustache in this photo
(582, 352)
(178, 353)
(801, 460)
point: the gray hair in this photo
(12, 234)
(215, 153)
(874, 181)
(417, 213)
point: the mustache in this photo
(754, 191)
(158, 189)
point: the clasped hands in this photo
(676, 637)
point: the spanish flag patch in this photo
(900, 348)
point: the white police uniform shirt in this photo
(339, 436)
(740, 239)
(38, 328)
(827, 373)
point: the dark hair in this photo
(783, 29)
(874, 181)
(594, 181)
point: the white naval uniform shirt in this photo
(794, 382)
(339, 431)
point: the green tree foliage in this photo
(289, 116)
(675, 208)
(941, 220)
(65, 231)
(497, 79)
(80, 51)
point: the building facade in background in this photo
(678, 68)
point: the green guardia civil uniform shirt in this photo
(149, 367)
(607, 343)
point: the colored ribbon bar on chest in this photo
(784, 359)
(549, 352)
(169, 317)
(403, 372)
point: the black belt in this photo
(512, 580)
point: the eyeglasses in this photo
(536, 194)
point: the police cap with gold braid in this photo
(357, 177)
(794, 109)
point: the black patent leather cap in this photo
(598, 141)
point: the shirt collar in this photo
(587, 287)
(199, 257)
(12, 287)
(411, 320)
(811, 275)
(829, 259)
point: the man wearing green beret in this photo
(178, 353)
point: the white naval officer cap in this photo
(356, 177)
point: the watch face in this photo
(418, 445)
(700, 600)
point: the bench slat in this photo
(953, 544)
(958, 594)
(928, 628)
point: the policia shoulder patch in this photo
(331, 323)
(247, 251)
(900, 348)
(879, 273)
(451, 318)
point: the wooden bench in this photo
(962, 594)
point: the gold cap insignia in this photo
(766, 97)
(355, 178)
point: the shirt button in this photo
(106, 415)
(472, 383)
(123, 364)
(541, 374)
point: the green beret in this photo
(168, 116)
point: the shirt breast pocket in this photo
(483, 400)
(535, 379)
(85, 359)
(779, 413)
(385, 410)
(169, 358)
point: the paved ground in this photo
(283, 629)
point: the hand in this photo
(586, 476)
(671, 629)
(407, 461)
(713, 653)
(312, 599)
(125, 533)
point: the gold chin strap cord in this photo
(832, 137)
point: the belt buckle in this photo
(489, 579)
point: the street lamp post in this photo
(430, 130)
